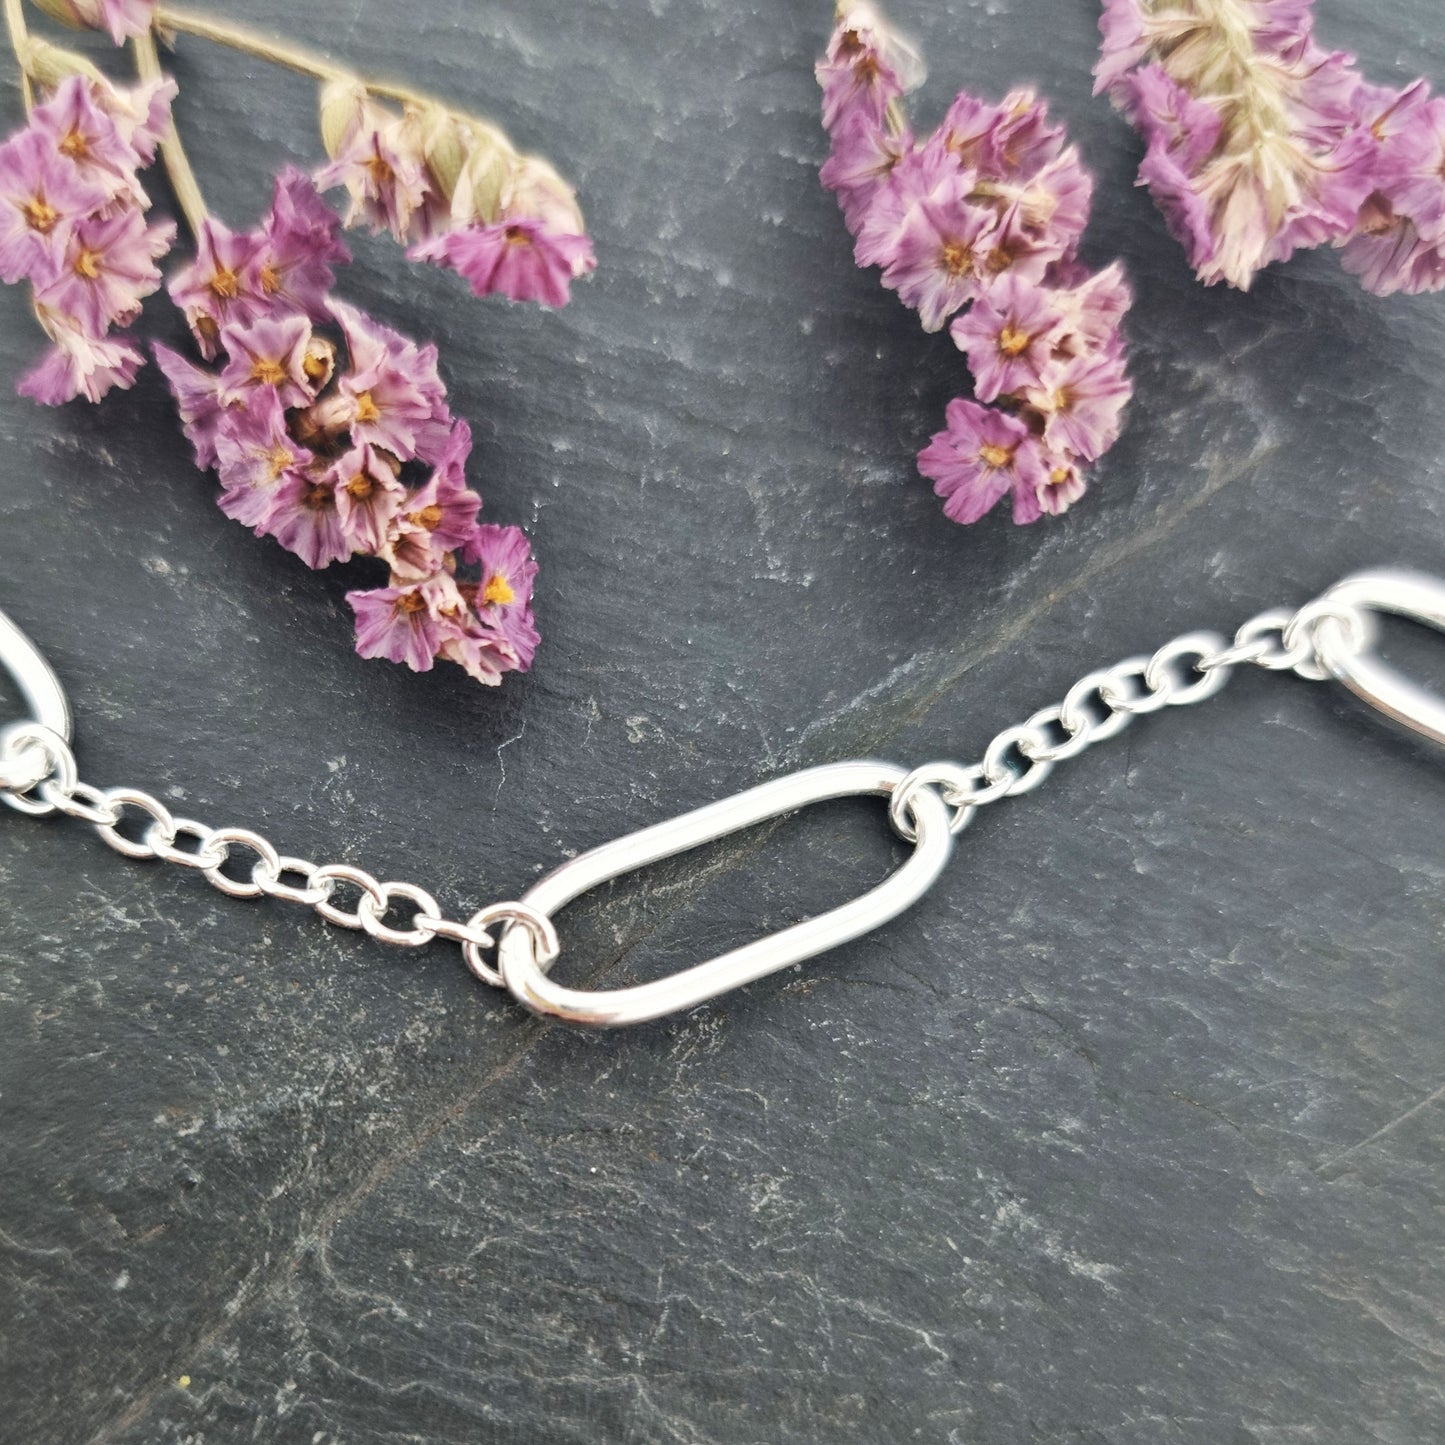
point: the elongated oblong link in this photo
(526, 975)
(44, 696)
(1352, 660)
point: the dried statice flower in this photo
(331, 433)
(981, 222)
(455, 192)
(121, 18)
(1255, 145)
(72, 225)
(1399, 240)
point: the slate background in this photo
(1129, 1133)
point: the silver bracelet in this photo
(1331, 637)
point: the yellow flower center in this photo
(224, 284)
(74, 145)
(991, 454)
(1058, 476)
(278, 459)
(366, 408)
(957, 260)
(1012, 341)
(87, 264)
(360, 487)
(410, 603)
(498, 590)
(267, 371)
(40, 215)
(429, 517)
(270, 279)
(314, 366)
(517, 236)
(381, 172)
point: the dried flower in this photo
(332, 434)
(1255, 147)
(983, 455)
(980, 221)
(122, 18)
(1399, 240)
(72, 224)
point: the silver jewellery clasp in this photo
(1350, 656)
(24, 760)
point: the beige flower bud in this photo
(78, 14)
(485, 174)
(47, 65)
(344, 106)
(534, 189)
(443, 146)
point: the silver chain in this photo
(188, 844)
(1189, 669)
(1102, 704)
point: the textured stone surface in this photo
(1129, 1133)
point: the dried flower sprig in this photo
(330, 432)
(981, 221)
(1260, 142)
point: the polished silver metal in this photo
(25, 765)
(1333, 636)
(1348, 652)
(526, 975)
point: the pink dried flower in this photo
(1009, 336)
(122, 18)
(981, 456)
(297, 246)
(401, 624)
(219, 286)
(986, 213)
(42, 197)
(503, 596)
(521, 259)
(107, 269)
(78, 363)
(318, 418)
(1399, 241)
(868, 66)
(382, 166)
(1254, 146)
(303, 517)
(368, 498)
(254, 453)
(268, 353)
(198, 399)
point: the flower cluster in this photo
(331, 433)
(122, 18)
(984, 218)
(454, 190)
(72, 224)
(1261, 142)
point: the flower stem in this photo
(20, 44)
(173, 153)
(279, 52)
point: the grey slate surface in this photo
(1129, 1133)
